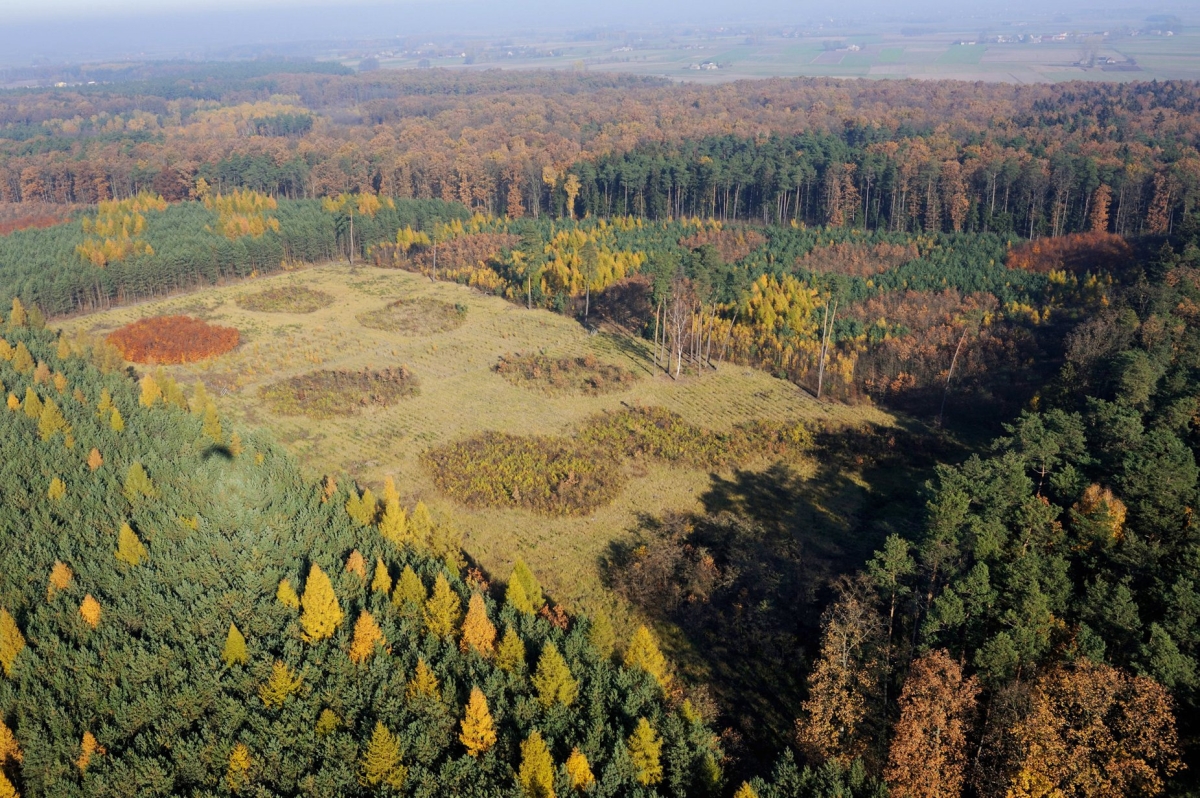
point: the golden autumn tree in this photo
(510, 655)
(281, 685)
(151, 393)
(516, 597)
(1095, 730)
(234, 652)
(381, 763)
(89, 747)
(410, 594)
(928, 756)
(381, 580)
(12, 642)
(22, 361)
(746, 791)
(579, 771)
(285, 594)
(553, 680)
(645, 750)
(477, 631)
(137, 483)
(237, 773)
(94, 460)
(643, 652)
(420, 526)
(424, 683)
(129, 548)
(89, 610)
(60, 579)
(356, 564)
(478, 732)
(367, 635)
(393, 525)
(321, 614)
(536, 774)
(57, 489)
(362, 508)
(443, 609)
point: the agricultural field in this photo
(450, 342)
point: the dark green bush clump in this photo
(286, 299)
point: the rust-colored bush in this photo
(1077, 253)
(172, 339)
(857, 259)
(731, 245)
(457, 259)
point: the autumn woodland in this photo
(789, 438)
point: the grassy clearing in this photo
(565, 375)
(326, 394)
(286, 299)
(422, 316)
(461, 395)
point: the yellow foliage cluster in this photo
(578, 260)
(243, 213)
(114, 233)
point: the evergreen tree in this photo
(478, 733)
(645, 750)
(424, 683)
(89, 610)
(553, 680)
(381, 581)
(11, 642)
(237, 774)
(367, 635)
(643, 652)
(443, 608)
(536, 775)
(381, 762)
(601, 635)
(129, 549)
(510, 656)
(477, 631)
(234, 652)
(281, 685)
(285, 594)
(321, 615)
(579, 771)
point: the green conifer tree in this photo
(410, 594)
(533, 589)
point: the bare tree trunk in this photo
(949, 374)
(826, 329)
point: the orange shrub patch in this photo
(173, 339)
(731, 245)
(1076, 253)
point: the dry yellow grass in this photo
(461, 394)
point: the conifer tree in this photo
(393, 526)
(579, 771)
(478, 732)
(286, 595)
(22, 361)
(89, 610)
(51, 421)
(137, 483)
(32, 405)
(151, 394)
(420, 526)
(7, 790)
(533, 589)
(41, 374)
(200, 400)
(477, 631)
(746, 791)
(601, 635)
(19, 316)
(409, 595)
(381, 581)
(553, 680)
(172, 394)
(327, 722)
(6, 350)
(60, 579)
(94, 460)
(443, 609)
(381, 762)
(322, 614)
(645, 750)
(116, 421)
(536, 775)
(510, 656)
(517, 598)
(105, 405)
(14, 404)
(643, 652)
(362, 509)
(280, 686)
(211, 427)
(424, 683)
(57, 489)
(88, 748)
(366, 635)
(11, 642)
(80, 399)
(235, 445)
(129, 548)
(60, 382)
(237, 775)
(9, 750)
(355, 564)
(234, 652)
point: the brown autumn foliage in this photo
(1095, 731)
(731, 245)
(928, 753)
(456, 259)
(24, 215)
(172, 339)
(1077, 253)
(857, 260)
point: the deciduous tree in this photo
(381, 763)
(321, 614)
(553, 680)
(478, 732)
(477, 630)
(645, 750)
(536, 774)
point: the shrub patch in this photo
(420, 316)
(565, 375)
(172, 339)
(325, 394)
(286, 299)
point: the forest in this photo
(1013, 271)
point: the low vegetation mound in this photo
(326, 394)
(173, 339)
(420, 316)
(858, 259)
(550, 475)
(1093, 252)
(286, 299)
(565, 375)
(577, 474)
(731, 245)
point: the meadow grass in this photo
(462, 395)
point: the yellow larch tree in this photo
(746, 791)
(321, 614)
(477, 631)
(94, 460)
(510, 656)
(151, 394)
(7, 790)
(478, 732)
(643, 652)
(357, 565)
(129, 548)
(237, 774)
(516, 597)
(443, 609)
(116, 421)
(89, 610)
(367, 635)
(57, 489)
(536, 775)
(12, 642)
(424, 683)
(579, 771)
(32, 404)
(645, 750)
(410, 594)
(88, 748)
(280, 686)
(420, 526)
(381, 580)
(523, 574)
(553, 680)
(381, 762)
(60, 579)
(285, 594)
(234, 652)
(10, 752)
(22, 361)
(14, 404)
(393, 526)
(362, 509)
